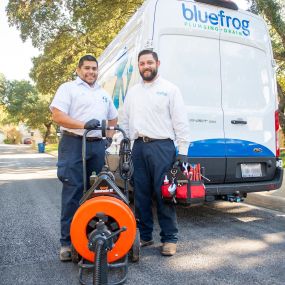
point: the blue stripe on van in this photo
(227, 148)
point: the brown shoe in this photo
(168, 248)
(144, 243)
(65, 253)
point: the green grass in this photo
(51, 147)
(282, 155)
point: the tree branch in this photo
(273, 11)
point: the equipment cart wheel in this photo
(134, 253)
(75, 256)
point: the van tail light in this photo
(277, 126)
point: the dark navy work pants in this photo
(70, 173)
(151, 161)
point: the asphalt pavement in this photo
(219, 243)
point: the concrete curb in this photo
(266, 201)
(53, 153)
(274, 200)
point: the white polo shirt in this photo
(156, 110)
(82, 102)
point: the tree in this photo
(40, 116)
(3, 83)
(38, 20)
(18, 96)
(65, 30)
(24, 104)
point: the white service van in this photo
(221, 59)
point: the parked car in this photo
(27, 141)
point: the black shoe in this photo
(144, 243)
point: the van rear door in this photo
(199, 81)
(248, 101)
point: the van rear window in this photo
(221, 3)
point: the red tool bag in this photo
(183, 184)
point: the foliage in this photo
(51, 147)
(3, 113)
(19, 96)
(24, 104)
(13, 136)
(65, 30)
(2, 86)
(38, 20)
(282, 155)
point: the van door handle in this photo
(238, 122)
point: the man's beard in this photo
(150, 77)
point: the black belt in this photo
(89, 139)
(147, 139)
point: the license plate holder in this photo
(251, 170)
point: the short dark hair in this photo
(87, 57)
(147, 51)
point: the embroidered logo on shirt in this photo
(161, 93)
(105, 99)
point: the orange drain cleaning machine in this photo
(103, 230)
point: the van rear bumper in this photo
(246, 187)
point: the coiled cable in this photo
(126, 167)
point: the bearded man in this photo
(154, 117)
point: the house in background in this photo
(2, 136)
(27, 133)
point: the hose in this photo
(100, 274)
(126, 168)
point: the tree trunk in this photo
(48, 131)
(281, 107)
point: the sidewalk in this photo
(53, 153)
(274, 200)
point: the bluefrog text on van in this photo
(213, 21)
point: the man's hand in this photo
(92, 124)
(108, 142)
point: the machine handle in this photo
(103, 128)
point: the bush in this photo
(8, 141)
(13, 136)
(52, 139)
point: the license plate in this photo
(251, 170)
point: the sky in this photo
(15, 56)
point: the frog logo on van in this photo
(216, 22)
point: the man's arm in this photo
(66, 121)
(180, 122)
